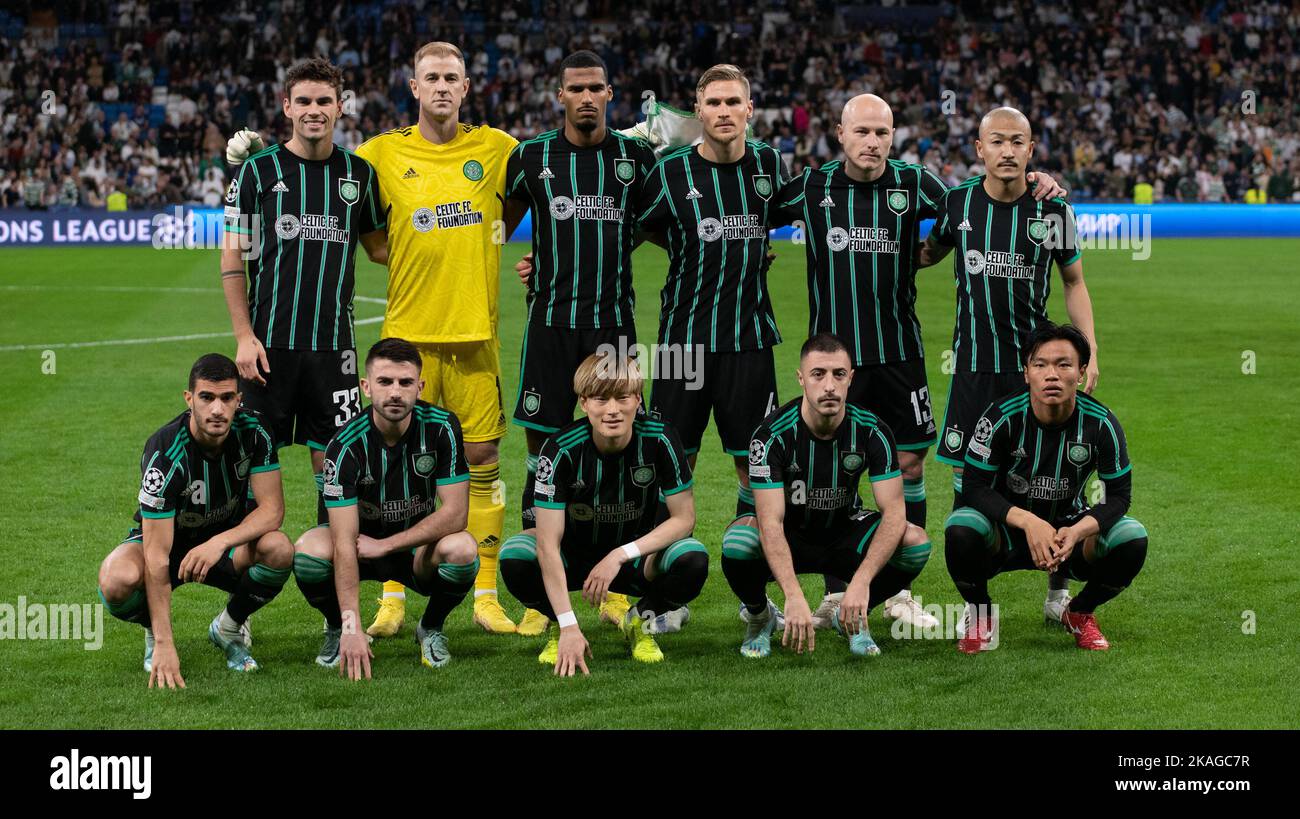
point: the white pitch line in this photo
(136, 289)
(117, 342)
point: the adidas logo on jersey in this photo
(1019, 453)
(693, 194)
(546, 174)
(965, 225)
(279, 187)
(410, 174)
(827, 203)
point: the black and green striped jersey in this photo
(612, 499)
(394, 487)
(820, 477)
(1045, 469)
(304, 218)
(716, 217)
(584, 203)
(861, 250)
(1003, 262)
(205, 493)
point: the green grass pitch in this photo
(1211, 444)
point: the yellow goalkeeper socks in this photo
(487, 515)
(394, 589)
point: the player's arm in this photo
(158, 534)
(376, 245)
(1116, 474)
(1043, 186)
(769, 504)
(1078, 306)
(266, 518)
(941, 240)
(354, 649)
(451, 516)
(573, 647)
(680, 523)
(238, 240)
(887, 491)
(982, 463)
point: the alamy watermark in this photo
(83, 622)
(668, 362)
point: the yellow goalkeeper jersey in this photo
(444, 203)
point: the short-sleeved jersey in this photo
(1045, 469)
(309, 215)
(820, 477)
(394, 487)
(609, 500)
(203, 493)
(1003, 260)
(861, 253)
(584, 203)
(444, 204)
(716, 216)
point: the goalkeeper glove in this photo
(242, 145)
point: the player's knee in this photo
(315, 542)
(962, 545)
(119, 579)
(913, 552)
(687, 557)
(519, 548)
(967, 529)
(311, 569)
(460, 548)
(912, 467)
(275, 551)
(482, 453)
(741, 542)
(1123, 549)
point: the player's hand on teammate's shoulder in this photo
(166, 670)
(572, 654)
(354, 655)
(199, 560)
(250, 355)
(596, 587)
(798, 624)
(524, 267)
(1044, 186)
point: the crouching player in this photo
(196, 523)
(805, 463)
(1028, 461)
(599, 481)
(397, 494)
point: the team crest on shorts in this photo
(643, 475)
(1037, 230)
(581, 511)
(532, 402)
(423, 463)
(763, 185)
(288, 227)
(852, 461)
(625, 170)
(952, 439)
(1079, 453)
(473, 170)
(896, 200)
(349, 191)
(422, 220)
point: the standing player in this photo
(599, 481)
(861, 216)
(1007, 243)
(1030, 457)
(714, 201)
(806, 461)
(195, 524)
(396, 487)
(582, 183)
(302, 206)
(442, 183)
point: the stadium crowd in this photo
(128, 103)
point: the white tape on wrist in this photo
(632, 550)
(566, 619)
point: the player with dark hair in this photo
(862, 215)
(210, 510)
(1007, 243)
(806, 461)
(295, 213)
(582, 183)
(599, 480)
(397, 492)
(1029, 459)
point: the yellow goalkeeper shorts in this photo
(465, 377)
